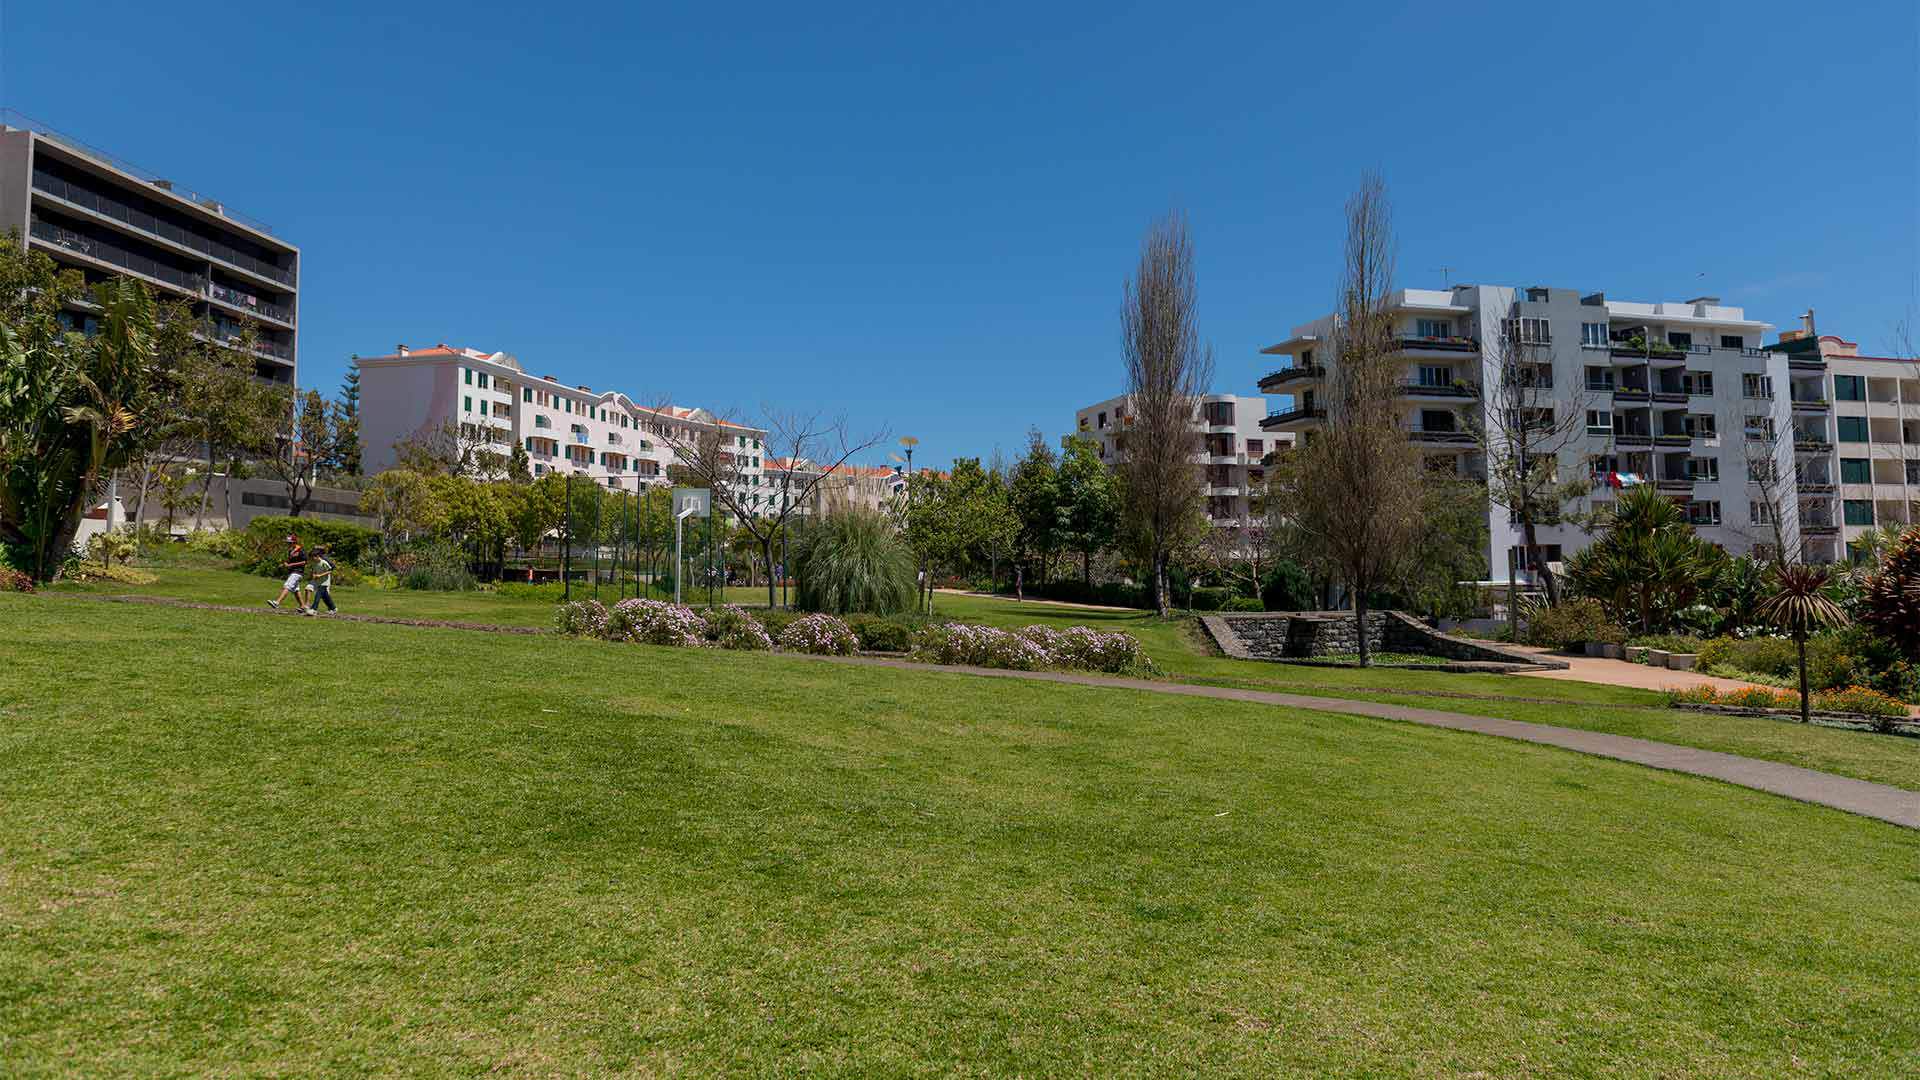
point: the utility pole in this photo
(566, 542)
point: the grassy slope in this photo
(304, 847)
(1175, 648)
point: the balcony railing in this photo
(1293, 415)
(1631, 438)
(1417, 343)
(108, 252)
(1674, 483)
(1421, 435)
(1811, 403)
(1629, 393)
(1807, 363)
(1291, 374)
(1816, 487)
(1802, 442)
(1420, 389)
(250, 302)
(1673, 440)
(1670, 397)
(126, 214)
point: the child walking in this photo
(296, 565)
(320, 580)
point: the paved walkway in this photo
(1595, 669)
(1881, 801)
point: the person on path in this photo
(320, 580)
(296, 565)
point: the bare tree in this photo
(1775, 485)
(1167, 371)
(1521, 425)
(800, 453)
(463, 449)
(1354, 492)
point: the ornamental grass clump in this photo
(821, 635)
(581, 618)
(730, 627)
(656, 622)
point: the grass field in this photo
(1178, 651)
(242, 845)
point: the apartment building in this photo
(492, 402)
(102, 216)
(1678, 395)
(868, 487)
(1856, 438)
(1233, 454)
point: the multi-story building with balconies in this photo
(1678, 395)
(105, 217)
(490, 401)
(1856, 434)
(1233, 451)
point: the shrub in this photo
(220, 543)
(820, 634)
(1209, 598)
(1860, 699)
(730, 627)
(1242, 603)
(854, 560)
(776, 621)
(1107, 593)
(1692, 695)
(1287, 588)
(108, 547)
(262, 545)
(979, 646)
(1760, 697)
(1572, 622)
(1680, 643)
(581, 618)
(440, 568)
(1083, 648)
(882, 633)
(1769, 656)
(1890, 595)
(12, 580)
(82, 570)
(656, 622)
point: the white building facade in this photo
(489, 398)
(1233, 457)
(1665, 393)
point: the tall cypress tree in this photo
(347, 453)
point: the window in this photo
(1703, 512)
(1856, 511)
(526, 395)
(467, 372)
(1431, 375)
(1756, 387)
(1760, 472)
(1679, 339)
(1849, 388)
(1517, 555)
(1852, 429)
(1536, 296)
(1306, 357)
(1732, 341)
(1599, 422)
(1593, 335)
(1436, 420)
(1529, 331)
(1760, 428)
(1760, 513)
(1600, 379)
(539, 470)
(1855, 470)
(1435, 328)
(1702, 426)
(1256, 446)
(567, 404)
(1706, 469)
(1101, 422)
(466, 403)
(1697, 383)
(541, 421)
(481, 382)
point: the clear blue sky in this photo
(924, 218)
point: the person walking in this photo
(320, 578)
(295, 565)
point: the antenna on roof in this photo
(1446, 275)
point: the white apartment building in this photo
(1233, 457)
(1856, 432)
(868, 487)
(602, 435)
(1669, 392)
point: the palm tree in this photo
(1799, 605)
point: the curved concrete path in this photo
(1881, 801)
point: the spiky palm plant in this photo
(854, 561)
(1800, 605)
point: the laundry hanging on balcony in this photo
(1625, 479)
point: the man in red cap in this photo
(296, 564)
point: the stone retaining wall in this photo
(1304, 635)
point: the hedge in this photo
(264, 547)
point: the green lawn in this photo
(243, 845)
(1177, 649)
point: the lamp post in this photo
(566, 541)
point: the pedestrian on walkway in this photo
(320, 573)
(295, 565)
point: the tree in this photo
(346, 454)
(1167, 371)
(801, 451)
(1034, 496)
(1647, 565)
(297, 456)
(1521, 424)
(72, 409)
(1354, 493)
(1799, 605)
(519, 466)
(403, 502)
(1089, 502)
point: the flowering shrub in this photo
(730, 627)
(581, 618)
(1860, 699)
(978, 646)
(1760, 697)
(1086, 649)
(820, 634)
(14, 581)
(656, 622)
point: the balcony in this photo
(1674, 483)
(1806, 363)
(1292, 416)
(1812, 404)
(1418, 344)
(1300, 373)
(63, 239)
(1816, 487)
(1819, 528)
(1632, 438)
(139, 220)
(250, 304)
(580, 438)
(1422, 437)
(1811, 443)
(1638, 349)
(1629, 393)
(1670, 397)
(1420, 389)
(1681, 440)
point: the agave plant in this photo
(1800, 605)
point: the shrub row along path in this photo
(1881, 801)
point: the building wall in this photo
(1231, 458)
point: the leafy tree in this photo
(519, 466)
(296, 460)
(1089, 501)
(405, 503)
(1647, 565)
(72, 409)
(1034, 494)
